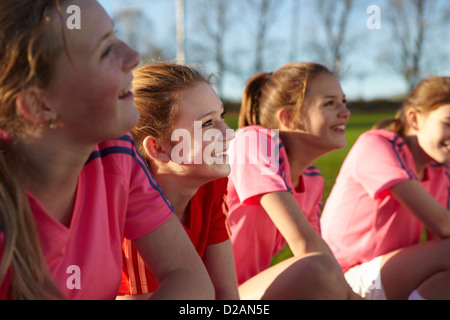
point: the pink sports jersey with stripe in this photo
(260, 165)
(116, 197)
(361, 220)
(207, 224)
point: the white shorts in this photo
(365, 280)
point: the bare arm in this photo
(172, 259)
(292, 223)
(219, 262)
(413, 196)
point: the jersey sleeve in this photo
(220, 228)
(380, 163)
(255, 162)
(148, 207)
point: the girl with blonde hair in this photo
(72, 184)
(394, 183)
(288, 119)
(182, 114)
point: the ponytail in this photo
(396, 125)
(427, 96)
(267, 93)
(249, 114)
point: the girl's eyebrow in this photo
(332, 97)
(209, 113)
(106, 36)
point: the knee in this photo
(324, 267)
(323, 275)
(441, 255)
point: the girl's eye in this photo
(329, 103)
(222, 116)
(106, 52)
(112, 41)
(207, 124)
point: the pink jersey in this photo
(361, 220)
(206, 224)
(258, 167)
(116, 197)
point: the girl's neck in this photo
(421, 159)
(179, 190)
(51, 172)
(300, 156)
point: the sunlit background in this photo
(237, 38)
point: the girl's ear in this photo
(412, 118)
(284, 118)
(155, 150)
(31, 106)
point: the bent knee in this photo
(322, 264)
(323, 272)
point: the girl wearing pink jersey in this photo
(72, 184)
(179, 110)
(394, 182)
(274, 193)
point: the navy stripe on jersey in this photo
(280, 171)
(397, 153)
(312, 171)
(128, 151)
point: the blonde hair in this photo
(427, 96)
(157, 88)
(27, 53)
(266, 93)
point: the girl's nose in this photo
(227, 133)
(344, 112)
(131, 59)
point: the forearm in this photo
(219, 262)
(309, 243)
(182, 285)
(292, 224)
(172, 259)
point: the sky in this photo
(364, 78)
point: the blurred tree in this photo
(264, 12)
(295, 22)
(411, 25)
(133, 28)
(180, 13)
(213, 19)
(334, 20)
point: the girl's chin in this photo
(220, 170)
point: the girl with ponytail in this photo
(288, 119)
(394, 183)
(72, 183)
(174, 98)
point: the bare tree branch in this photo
(334, 16)
(411, 24)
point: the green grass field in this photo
(330, 164)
